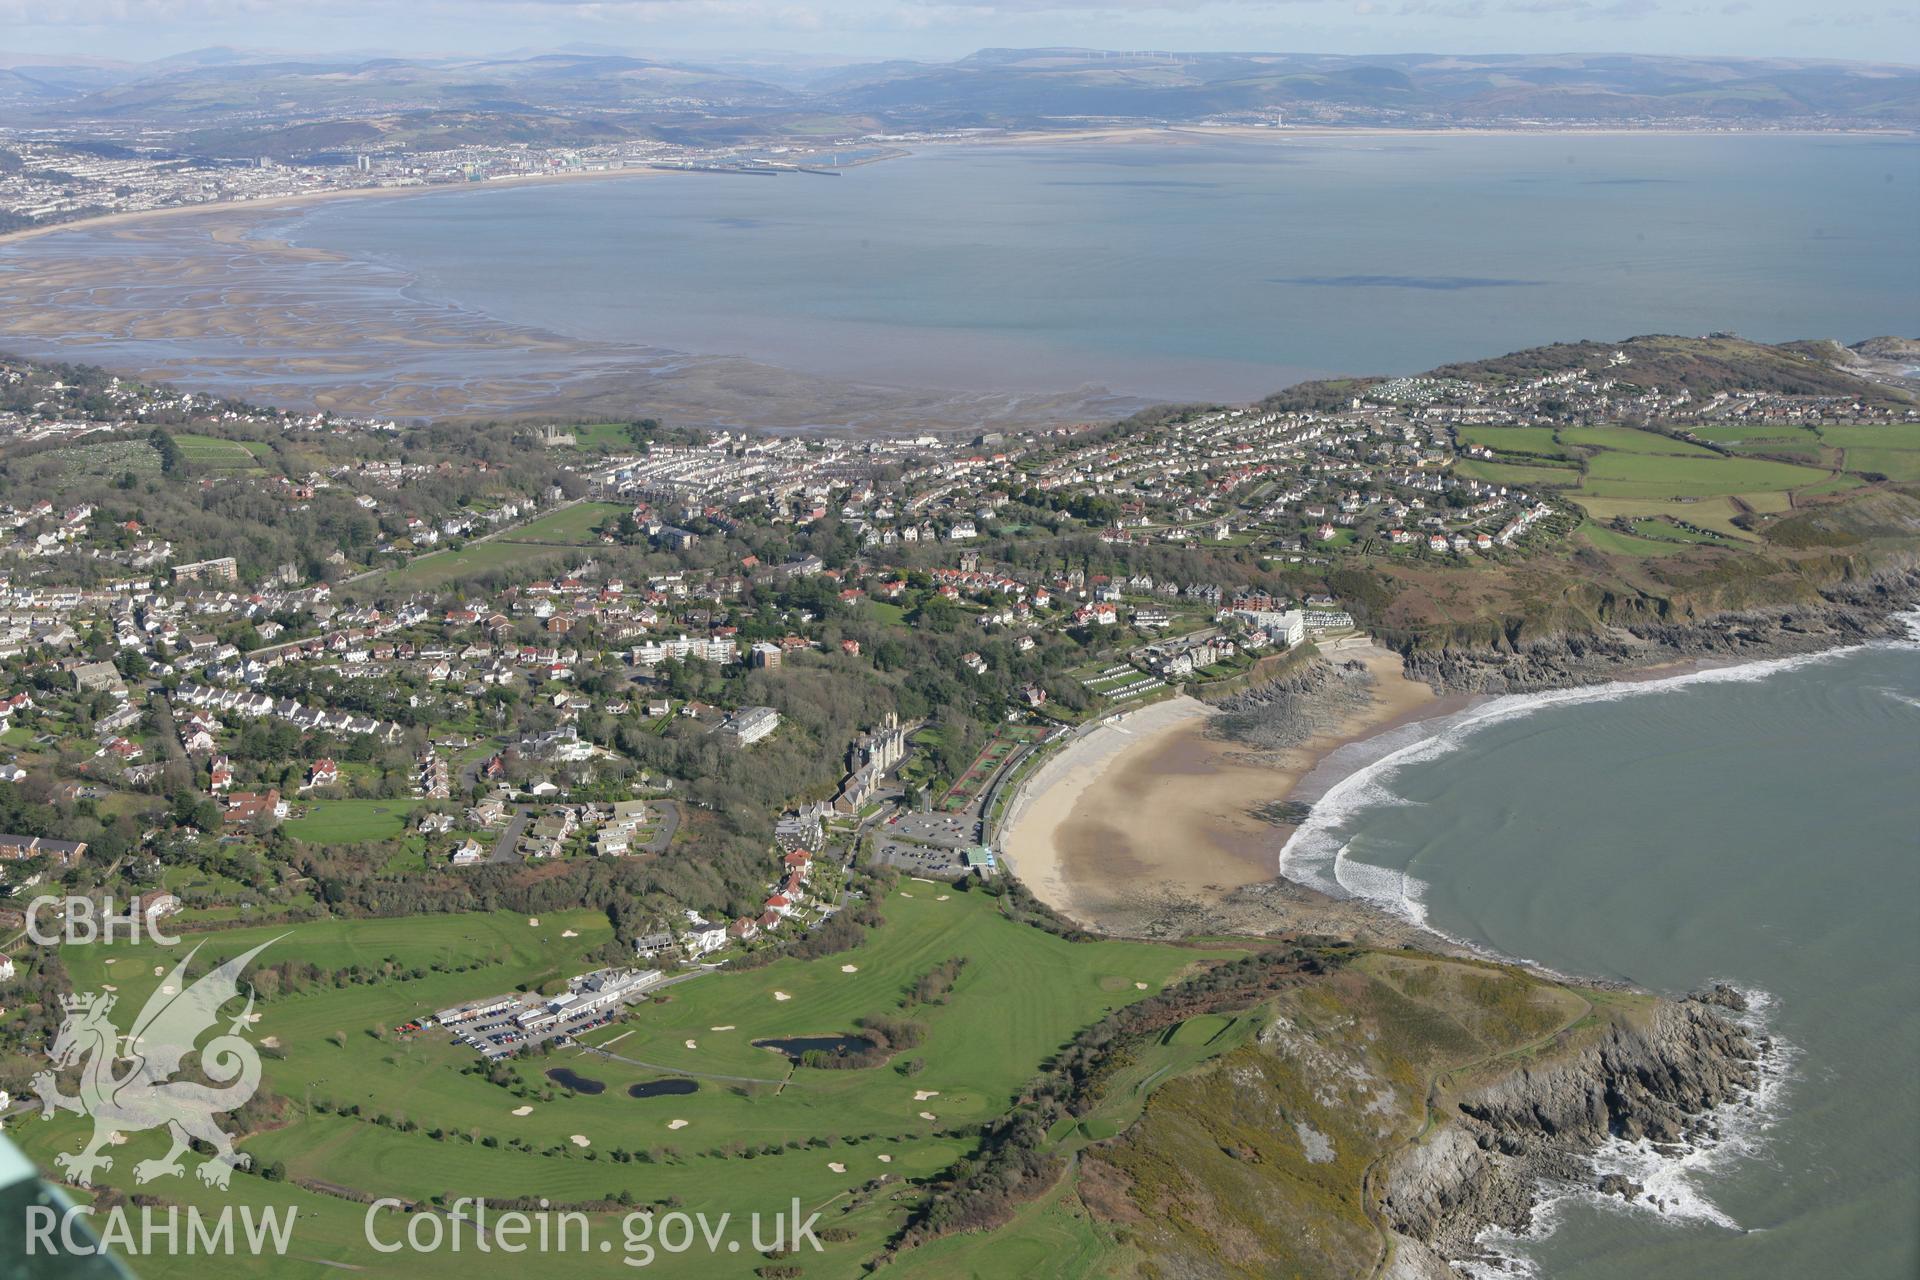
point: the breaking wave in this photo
(1669, 1179)
(1325, 852)
(1317, 854)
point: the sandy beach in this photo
(1149, 808)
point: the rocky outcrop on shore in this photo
(1543, 1124)
(1314, 699)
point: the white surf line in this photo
(1314, 856)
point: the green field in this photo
(349, 821)
(1631, 440)
(441, 567)
(1664, 529)
(1639, 475)
(1533, 440)
(1708, 513)
(1514, 473)
(1612, 540)
(1894, 435)
(1899, 465)
(1758, 433)
(748, 1143)
(570, 526)
(610, 437)
(211, 451)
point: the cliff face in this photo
(1386, 1116)
(1660, 1081)
(1851, 613)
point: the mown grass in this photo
(573, 526)
(1617, 543)
(212, 451)
(438, 569)
(1612, 474)
(1632, 440)
(1530, 440)
(349, 821)
(1020, 996)
(1513, 473)
(1899, 465)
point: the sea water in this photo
(1187, 267)
(1758, 825)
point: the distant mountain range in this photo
(237, 97)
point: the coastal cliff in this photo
(1385, 1117)
(1845, 614)
(1542, 1125)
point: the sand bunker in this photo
(568, 933)
(922, 880)
(676, 1124)
(922, 1095)
(579, 1140)
(836, 1166)
(534, 921)
(886, 1159)
(928, 1115)
(523, 1111)
(159, 969)
(1140, 986)
(905, 894)
(943, 897)
(271, 1042)
(692, 1044)
(781, 995)
(728, 1027)
(849, 968)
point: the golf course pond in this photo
(798, 1047)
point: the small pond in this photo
(663, 1088)
(577, 1083)
(797, 1047)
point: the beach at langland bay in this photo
(1746, 819)
(1155, 814)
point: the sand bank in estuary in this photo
(1154, 808)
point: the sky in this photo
(140, 30)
